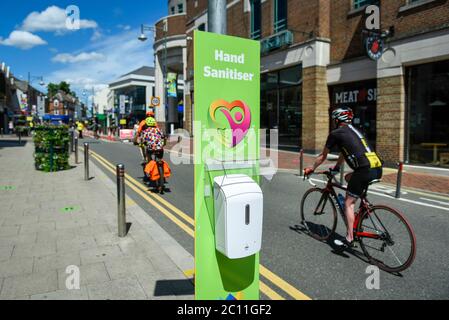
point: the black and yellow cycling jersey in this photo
(354, 147)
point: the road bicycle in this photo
(384, 234)
(157, 156)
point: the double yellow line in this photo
(185, 222)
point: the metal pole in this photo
(217, 16)
(342, 174)
(121, 209)
(399, 181)
(20, 135)
(76, 150)
(72, 135)
(86, 161)
(301, 163)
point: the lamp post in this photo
(30, 80)
(144, 38)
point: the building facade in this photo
(170, 49)
(133, 91)
(313, 59)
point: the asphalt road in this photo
(309, 265)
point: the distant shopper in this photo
(11, 127)
(80, 128)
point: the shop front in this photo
(427, 91)
(361, 97)
(281, 105)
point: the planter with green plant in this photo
(52, 148)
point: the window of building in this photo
(180, 8)
(172, 10)
(280, 15)
(202, 27)
(281, 105)
(256, 19)
(428, 111)
(362, 3)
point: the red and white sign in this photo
(126, 134)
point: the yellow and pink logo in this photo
(238, 116)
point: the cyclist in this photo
(359, 156)
(154, 140)
(138, 140)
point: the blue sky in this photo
(33, 38)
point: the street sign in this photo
(122, 104)
(155, 101)
(226, 132)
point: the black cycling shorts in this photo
(361, 179)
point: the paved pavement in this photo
(310, 266)
(49, 221)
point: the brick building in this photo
(314, 58)
(62, 104)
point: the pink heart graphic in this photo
(240, 126)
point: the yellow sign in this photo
(155, 101)
(123, 121)
(29, 119)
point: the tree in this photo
(63, 86)
(52, 89)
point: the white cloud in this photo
(124, 27)
(81, 57)
(97, 35)
(23, 40)
(52, 19)
(121, 53)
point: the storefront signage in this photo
(374, 47)
(374, 42)
(356, 96)
(226, 130)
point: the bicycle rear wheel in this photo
(318, 214)
(161, 179)
(395, 251)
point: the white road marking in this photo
(401, 199)
(439, 202)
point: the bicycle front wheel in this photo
(395, 249)
(318, 214)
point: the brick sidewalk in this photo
(414, 180)
(49, 221)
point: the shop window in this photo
(362, 3)
(256, 19)
(290, 77)
(281, 105)
(280, 15)
(428, 111)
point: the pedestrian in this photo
(80, 128)
(11, 127)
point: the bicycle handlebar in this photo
(328, 173)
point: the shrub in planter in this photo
(52, 148)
